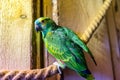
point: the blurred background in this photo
(22, 48)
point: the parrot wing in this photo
(72, 60)
(79, 42)
(64, 49)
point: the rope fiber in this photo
(96, 21)
(42, 74)
(36, 74)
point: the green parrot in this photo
(63, 44)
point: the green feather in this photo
(79, 42)
(65, 46)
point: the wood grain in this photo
(15, 34)
(113, 19)
(16, 26)
(77, 15)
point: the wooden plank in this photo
(37, 44)
(15, 34)
(77, 13)
(99, 45)
(118, 4)
(77, 16)
(113, 19)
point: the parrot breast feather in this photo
(63, 48)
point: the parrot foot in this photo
(62, 64)
(58, 67)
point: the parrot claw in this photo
(58, 66)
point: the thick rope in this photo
(36, 74)
(42, 74)
(96, 21)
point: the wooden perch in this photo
(36, 74)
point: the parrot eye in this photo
(43, 21)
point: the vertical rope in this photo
(51, 70)
(94, 24)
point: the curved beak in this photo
(37, 28)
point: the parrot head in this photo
(43, 23)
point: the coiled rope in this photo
(42, 74)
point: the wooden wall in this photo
(104, 44)
(77, 15)
(15, 34)
(113, 20)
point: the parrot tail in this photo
(90, 77)
(87, 75)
